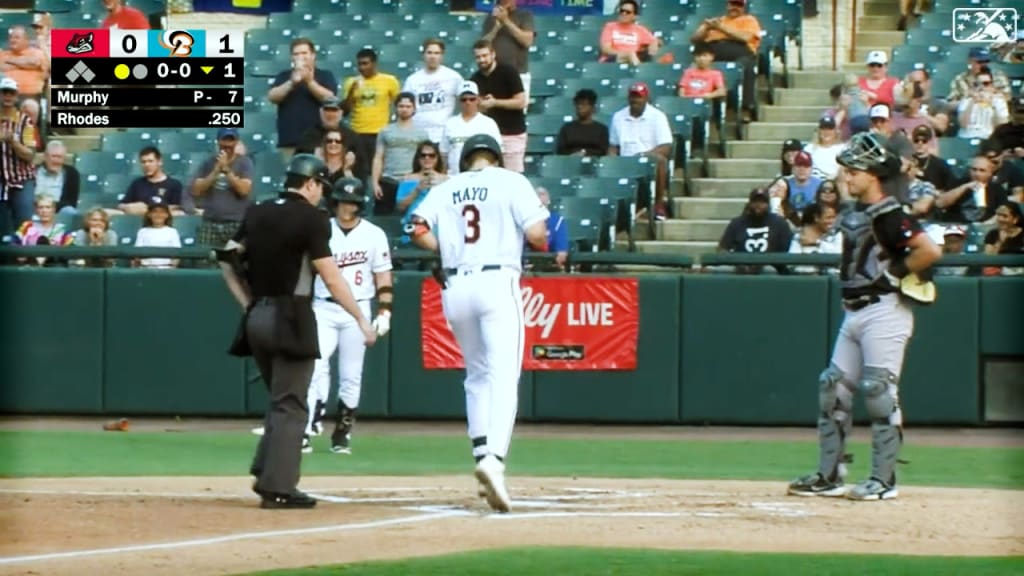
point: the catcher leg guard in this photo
(836, 403)
(882, 404)
(342, 435)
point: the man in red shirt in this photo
(124, 17)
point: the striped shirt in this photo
(16, 171)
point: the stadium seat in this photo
(264, 43)
(623, 167)
(574, 49)
(586, 219)
(184, 142)
(71, 222)
(696, 112)
(293, 20)
(8, 19)
(393, 21)
(546, 123)
(957, 151)
(100, 163)
(619, 194)
(74, 20)
(356, 7)
(596, 71)
(443, 25)
(261, 126)
(130, 141)
(319, 6)
(541, 144)
(603, 88)
(115, 185)
(266, 68)
(554, 166)
(929, 36)
(662, 79)
(188, 228)
(127, 228)
(557, 187)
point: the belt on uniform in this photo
(855, 304)
(485, 268)
(333, 301)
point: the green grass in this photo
(594, 562)
(60, 453)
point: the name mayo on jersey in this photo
(470, 194)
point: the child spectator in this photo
(700, 80)
(156, 232)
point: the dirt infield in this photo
(197, 526)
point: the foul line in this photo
(229, 538)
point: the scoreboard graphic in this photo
(147, 78)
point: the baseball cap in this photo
(227, 133)
(955, 230)
(156, 202)
(879, 111)
(827, 122)
(331, 103)
(877, 57)
(639, 88)
(921, 132)
(469, 87)
(980, 54)
(802, 159)
(760, 194)
(8, 84)
(791, 145)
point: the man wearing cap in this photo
(757, 229)
(641, 129)
(396, 149)
(221, 186)
(877, 84)
(791, 194)
(468, 122)
(964, 83)
(298, 93)
(734, 37)
(503, 98)
(1011, 134)
(896, 143)
(953, 242)
(1008, 174)
(930, 167)
(330, 119)
(17, 150)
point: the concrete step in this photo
(79, 143)
(743, 168)
(878, 23)
(691, 249)
(815, 79)
(708, 208)
(790, 113)
(729, 188)
(881, 8)
(691, 230)
(887, 38)
(754, 149)
(803, 96)
(779, 131)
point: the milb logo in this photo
(984, 25)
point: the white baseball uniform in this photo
(479, 218)
(360, 253)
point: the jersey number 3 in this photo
(472, 216)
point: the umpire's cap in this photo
(479, 142)
(310, 166)
(349, 191)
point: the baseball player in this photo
(885, 255)
(362, 253)
(481, 216)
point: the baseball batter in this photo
(481, 216)
(362, 253)
(885, 254)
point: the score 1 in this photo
(225, 44)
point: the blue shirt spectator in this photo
(558, 230)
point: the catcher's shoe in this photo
(491, 473)
(341, 441)
(816, 485)
(307, 447)
(295, 501)
(873, 489)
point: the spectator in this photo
(852, 109)
(910, 119)
(954, 240)
(756, 230)
(123, 17)
(789, 150)
(340, 162)
(558, 230)
(30, 108)
(154, 183)
(930, 167)
(24, 64)
(828, 195)
(895, 141)
(1006, 237)
(298, 93)
(157, 232)
(583, 136)
(461, 126)
(817, 235)
(42, 24)
(428, 169)
(982, 109)
(640, 129)
(824, 149)
(701, 80)
(1013, 52)
(918, 86)
(734, 37)
(835, 93)
(877, 85)
(908, 9)
(17, 138)
(625, 41)
(1011, 134)
(223, 185)
(974, 200)
(44, 228)
(963, 85)
(791, 194)
(503, 98)
(367, 102)
(921, 194)
(396, 150)
(95, 231)
(330, 119)
(436, 88)
(511, 32)
(1008, 174)
(58, 179)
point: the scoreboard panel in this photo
(147, 78)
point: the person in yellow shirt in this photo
(368, 101)
(734, 37)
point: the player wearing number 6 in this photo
(362, 253)
(480, 217)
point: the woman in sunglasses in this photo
(339, 160)
(983, 109)
(428, 170)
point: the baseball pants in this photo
(337, 331)
(485, 312)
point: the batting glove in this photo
(382, 323)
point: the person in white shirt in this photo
(469, 123)
(436, 87)
(642, 129)
(818, 235)
(983, 110)
(157, 232)
(824, 150)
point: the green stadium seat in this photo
(188, 228)
(393, 21)
(130, 142)
(603, 88)
(557, 187)
(8, 19)
(115, 185)
(74, 20)
(620, 195)
(623, 167)
(356, 7)
(663, 79)
(605, 71)
(541, 144)
(586, 219)
(319, 6)
(691, 122)
(546, 123)
(293, 20)
(264, 43)
(929, 36)
(127, 228)
(55, 6)
(177, 165)
(574, 49)
(185, 142)
(439, 24)
(958, 151)
(263, 124)
(71, 222)
(559, 107)
(555, 166)
(98, 163)
(266, 68)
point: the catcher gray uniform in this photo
(868, 355)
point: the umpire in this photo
(268, 267)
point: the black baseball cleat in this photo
(294, 501)
(816, 485)
(340, 440)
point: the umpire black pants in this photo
(739, 52)
(278, 458)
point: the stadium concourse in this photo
(717, 158)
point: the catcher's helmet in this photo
(309, 166)
(349, 191)
(866, 152)
(479, 142)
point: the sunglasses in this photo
(428, 155)
(624, 11)
(332, 140)
(921, 141)
(988, 83)
(875, 65)
(977, 169)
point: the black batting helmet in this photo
(479, 142)
(309, 166)
(348, 191)
(866, 152)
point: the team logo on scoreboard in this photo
(178, 42)
(80, 44)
